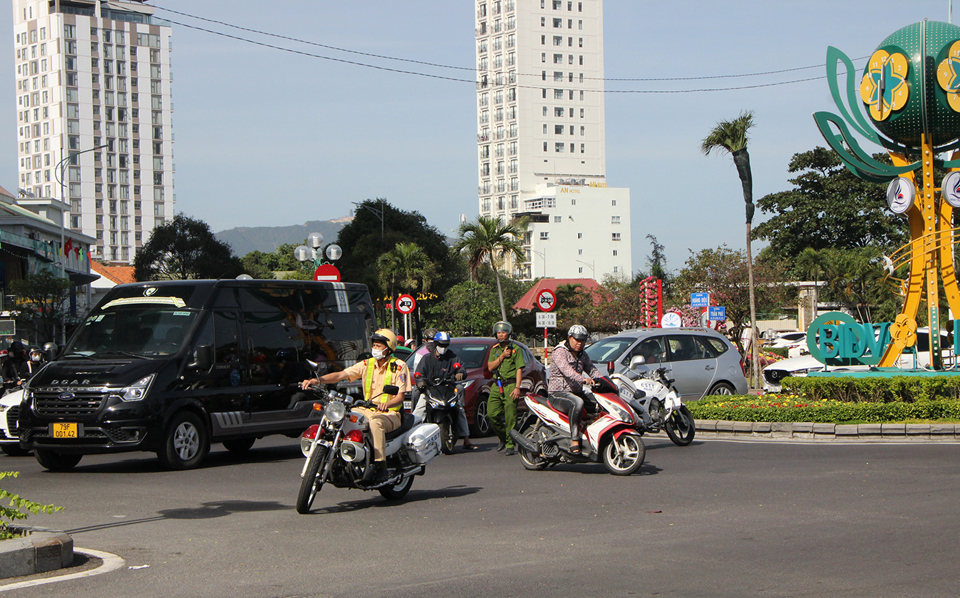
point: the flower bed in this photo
(796, 408)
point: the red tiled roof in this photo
(528, 301)
(118, 274)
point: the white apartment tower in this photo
(540, 136)
(94, 105)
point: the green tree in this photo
(468, 309)
(406, 266)
(490, 240)
(855, 278)
(829, 207)
(41, 301)
(731, 136)
(185, 248)
(722, 272)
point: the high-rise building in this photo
(540, 136)
(94, 116)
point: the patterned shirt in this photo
(567, 370)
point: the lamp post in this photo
(379, 213)
(303, 253)
(592, 269)
(59, 172)
(542, 254)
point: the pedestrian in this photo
(506, 363)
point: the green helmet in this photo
(502, 327)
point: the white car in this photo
(789, 340)
(9, 437)
(774, 373)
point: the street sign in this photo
(545, 320)
(406, 304)
(699, 299)
(718, 313)
(327, 272)
(546, 300)
(671, 320)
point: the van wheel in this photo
(185, 442)
(14, 450)
(239, 445)
(481, 427)
(55, 461)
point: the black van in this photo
(172, 366)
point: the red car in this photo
(474, 352)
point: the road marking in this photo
(111, 562)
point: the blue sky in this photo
(269, 138)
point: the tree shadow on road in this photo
(148, 463)
(208, 510)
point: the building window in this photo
(558, 219)
(558, 129)
(558, 40)
(558, 94)
(544, 235)
(558, 147)
(614, 220)
(616, 236)
(544, 146)
(614, 253)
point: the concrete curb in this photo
(40, 551)
(708, 428)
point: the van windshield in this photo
(135, 330)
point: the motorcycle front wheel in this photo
(397, 491)
(448, 437)
(624, 455)
(310, 484)
(530, 460)
(680, 426)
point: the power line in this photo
(459, 80)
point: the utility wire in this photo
(441, 77)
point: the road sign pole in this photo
(545, 350)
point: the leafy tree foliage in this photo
(185, 248)
(855, 279)
(723, 273)
(467, 309)
(489, 240)
(405, 267)
(829, 207)
(41, 301)
(262, 265)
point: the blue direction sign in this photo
(718, 313)
(699, 299)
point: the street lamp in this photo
(592, 269)
(59, 172)
(379, 213)
(542, 254)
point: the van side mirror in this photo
(202, 357)
(637, 360)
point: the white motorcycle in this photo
(339, 450)
(656, 400)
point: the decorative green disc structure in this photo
(910, 92)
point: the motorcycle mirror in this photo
(418, 375)
(456, 366)
(610, 367)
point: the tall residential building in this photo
(94, 116)
(540, 136)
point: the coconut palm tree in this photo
(490, 240)
(731, 136)
(408, 266)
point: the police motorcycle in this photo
(339, 450)
(655, 398)
(443, 399)
(610, 432)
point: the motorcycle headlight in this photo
(137, 390)
(335, 411)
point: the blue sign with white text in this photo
(699, 299)
(718, 313)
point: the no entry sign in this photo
(406, 304)
(546, 300)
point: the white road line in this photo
(111, 562)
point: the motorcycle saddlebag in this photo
(423, 443)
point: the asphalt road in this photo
(717, 518)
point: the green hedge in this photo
(907, 389)
(791, 408)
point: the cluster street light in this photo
(312, 253)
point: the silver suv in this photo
(702, 361)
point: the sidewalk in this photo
(710, 428)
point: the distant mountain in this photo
(267, 239)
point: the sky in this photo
(266, 137)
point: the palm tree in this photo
(406, 265)
(490, 240)
(731, 136)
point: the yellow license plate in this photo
(64, 430)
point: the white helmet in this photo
(578, 332)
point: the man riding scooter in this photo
(571, 370)
(442, 363)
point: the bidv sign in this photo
(835, 338)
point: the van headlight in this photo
(137, 390)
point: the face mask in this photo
(34, 358)
(441, 350)
(378, 354)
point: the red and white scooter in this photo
(611, 433)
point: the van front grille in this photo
(68, 402)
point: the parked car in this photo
(774, 373)
(9, 432)
(703, 361)
(474, 352)
(789, 340)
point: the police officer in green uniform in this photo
(506, 363)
